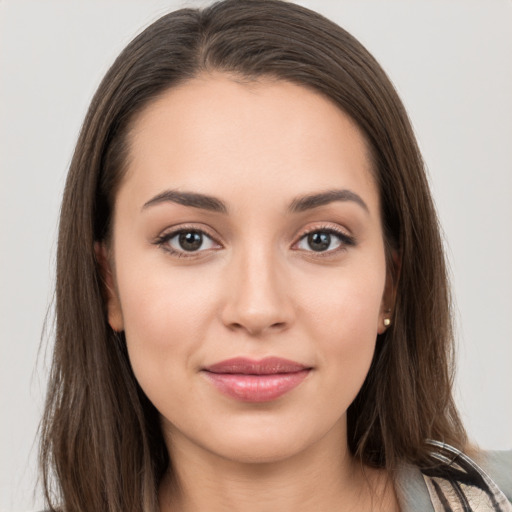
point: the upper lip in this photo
(266, 366)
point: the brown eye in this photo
(319, 241)
(186, 241)
(325, 241)
(190, 240)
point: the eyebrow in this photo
(213, 204)
(193, 199)
(309, 202)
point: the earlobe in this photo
(384, 321)
(389, 296)
(115, 316)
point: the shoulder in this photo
(498, 465)
(457, 482)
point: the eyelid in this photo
(169, 233)
(347, 240)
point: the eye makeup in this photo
(191, 241)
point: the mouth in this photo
(256, 381)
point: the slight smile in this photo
(256, 381)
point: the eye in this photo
(324, 240)
(186, 241)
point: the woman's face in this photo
(248, 266)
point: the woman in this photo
(252, 306)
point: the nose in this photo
(258, 296)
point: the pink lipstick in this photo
(256, 381)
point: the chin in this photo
(264, 444)
(260, 451)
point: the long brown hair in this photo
(102, 448)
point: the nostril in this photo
(256, 309)
(257, 329)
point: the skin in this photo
(255, 288)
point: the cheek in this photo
(343, 318)
(345, 301)
(165, 321)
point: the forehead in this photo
(217, 135)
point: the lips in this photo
(256, 381)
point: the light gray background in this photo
(452, 64)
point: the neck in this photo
(319, 478)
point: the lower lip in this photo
(256, 388)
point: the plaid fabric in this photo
(458, 484)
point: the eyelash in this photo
(162, 241)
(345, 241)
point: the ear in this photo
(389, 296)
(111, 297)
